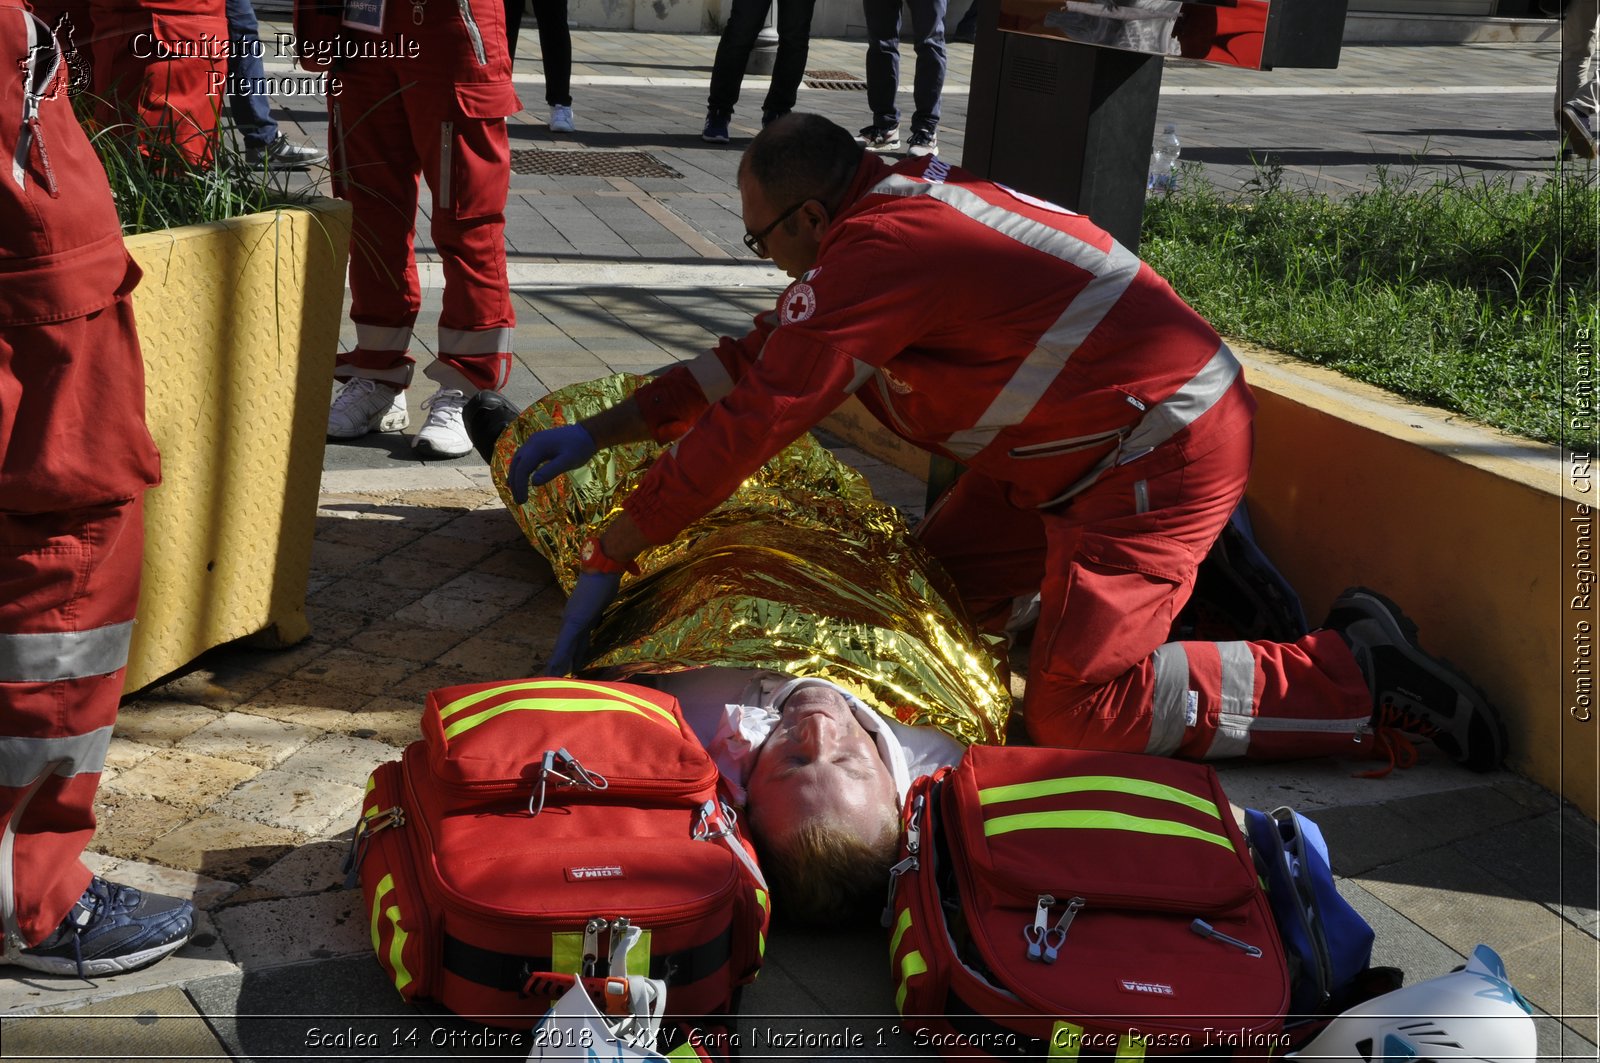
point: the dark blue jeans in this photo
(248, 101)
(883, 61)
(555, 46)
(739, 38)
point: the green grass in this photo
(1464, 293)
(156, 188)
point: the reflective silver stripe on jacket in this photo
(1111, 272)
(23, 761)
(1237, 714)
(49, 657)
(1183, 407)
(1165, 419)
(39, 68)
(1169, 699)
(712, 376)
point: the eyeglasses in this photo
(757, 242)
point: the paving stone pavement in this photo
(237, 782)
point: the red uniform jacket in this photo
(972, 320)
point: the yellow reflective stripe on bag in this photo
(1130, 1046)
(615, 701)
(445, 711)
(910, 967)
(1075, 784)
(900, 927)
(1066, 1041)
(1099, 821)
(397, 941)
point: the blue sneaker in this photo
(716, 130)
(110, 930)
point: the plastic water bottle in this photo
(1164, 154)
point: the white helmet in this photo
(1473, 1013)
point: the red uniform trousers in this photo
(393, 122)
(157, 67)
(74, 461)
(1113, 567)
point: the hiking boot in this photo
(283, 154)
(716, 129)
(363, 406)
(486, 416)
(879, 138)
(443, 434)
(923, 142)
(111, 929)
(1413, 691)
(561, 119)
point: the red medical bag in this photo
(534, 822)
(1077, 904)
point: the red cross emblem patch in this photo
(799, 303)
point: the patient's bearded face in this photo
(819, 763)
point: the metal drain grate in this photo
(589, 163)
(834, 79)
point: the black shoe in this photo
(768, 117)
(111, 929)
(486, 416)
(1413, 691)
(716, 129)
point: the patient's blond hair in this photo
(824, 874)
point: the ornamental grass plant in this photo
(1466, 292)
(157, 187)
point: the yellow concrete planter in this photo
(1486, 540)
(239, 323)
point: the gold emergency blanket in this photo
(800, 571)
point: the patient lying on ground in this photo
(801, 573)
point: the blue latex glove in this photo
(545, 455)
(593, 592)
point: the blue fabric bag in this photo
(1328, 944)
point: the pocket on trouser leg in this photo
(1102, 618)
(1114, 604)
(475, 151)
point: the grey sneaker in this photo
(923, 142)
(879, 138)
(111, 929)
(1579, 128)
(1413, 691)
(444, 433)
(363, 406)
(282, 154)
(561, 119)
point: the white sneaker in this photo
(561, 120)
(363, 406)
(444, 434)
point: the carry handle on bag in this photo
(1329, 945)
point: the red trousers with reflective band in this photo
(74, 461)
(396, 124)
(1114, 566)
